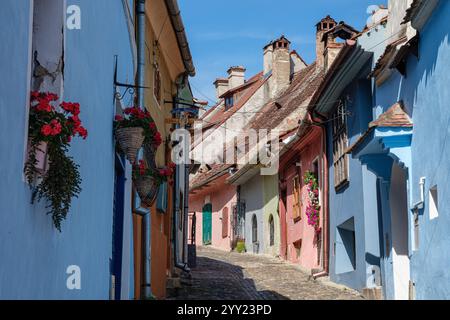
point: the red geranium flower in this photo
(46, 130)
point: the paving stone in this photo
(221, 275)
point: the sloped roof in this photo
(247, 92)
(412, 11)
(203, 178)
(304, 83)
(395, 116)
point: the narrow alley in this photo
(222, 275)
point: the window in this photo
(271, 231)
(254, 229)
(157, 84)
(434, 206)
(296, 202)
(345, 247)
(340, 143)
(225, 220)
(229, 102)
(47, 58)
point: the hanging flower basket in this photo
(147, 180)
(134, 129)
(130, 141)
(51, 173)
(147, 188)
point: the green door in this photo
(207, 224)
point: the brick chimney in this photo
(268, 58)
(322, 27)
(236, 77)
(281, 65)
(221, 85)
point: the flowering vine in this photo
(55, 127)
(136, 117)
(313, 208)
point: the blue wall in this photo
(425, 92)
(33, 255)
(358, 199)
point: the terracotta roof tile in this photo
(395, 116)
(203, 178)
(303, 85)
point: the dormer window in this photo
(229, 102)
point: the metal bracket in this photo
(130, 88)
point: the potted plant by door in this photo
(132, 130)
(50, 133)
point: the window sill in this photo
(342, 185)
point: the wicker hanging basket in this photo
(150, 155)
(147, 189)
(130, 141)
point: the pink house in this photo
(302, 242)
(211, 199)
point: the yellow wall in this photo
(158, 110)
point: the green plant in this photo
(240, 247)
(62, 181)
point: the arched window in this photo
(271, 231)
(254, 229)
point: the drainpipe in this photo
(140, 12)
(179, 170)
(326, 231)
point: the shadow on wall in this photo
(219, 280)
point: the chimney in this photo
(221, 85)
(281, 65)
(236, 77)
(322, 27)
(268, 58)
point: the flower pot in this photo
(150, 155)
(41, 156)
(147, 189)
(130, 141)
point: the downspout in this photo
(179, 170)
(140, 11)
(326, 232)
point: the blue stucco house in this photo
(78, 43)
(385, 105)
(413, 161)
(343, 103)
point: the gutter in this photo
(178, 26)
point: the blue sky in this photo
(224, 33)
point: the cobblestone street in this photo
(221, 275)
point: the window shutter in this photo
(225, 219)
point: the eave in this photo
(343, 71)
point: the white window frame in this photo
(30, 71)
(433, 203)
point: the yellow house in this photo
(168, 64)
